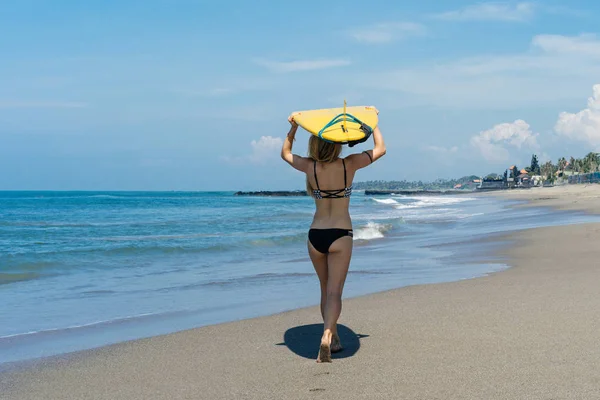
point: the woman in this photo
(330, 234)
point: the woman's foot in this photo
(336, 344)
(325, 349)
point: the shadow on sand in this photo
(304, 341)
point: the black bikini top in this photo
(331, 194)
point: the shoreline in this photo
(569, 197)
(433, 321)
(92, 333)
(468, 258)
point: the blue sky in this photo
(194, 95)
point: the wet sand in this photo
(528, 332)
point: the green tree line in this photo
(548, 171)
(407, 185)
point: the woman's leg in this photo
(338, 262)
(319, 261)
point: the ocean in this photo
(85, 269)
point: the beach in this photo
(526, 332)
(568, 197)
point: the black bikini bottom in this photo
(321, 239)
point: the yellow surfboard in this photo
(339, 125)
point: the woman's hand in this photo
(291, 120)
(299, 163)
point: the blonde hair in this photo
(322, 151)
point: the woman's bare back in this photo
(332, 212)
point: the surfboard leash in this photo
(345, 116)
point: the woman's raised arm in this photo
(368, 157)
(299, 163)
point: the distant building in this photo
(511, 174)
(491, 184)
(536, 180)
(524, 179)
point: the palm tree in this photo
(591, 162)
(577, 165)
(562, 163)
(546, 170)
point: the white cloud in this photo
(495, 144)
(490, 11)
(267, 147)
(554, 69)
(443, 150)
(301, 65)
(40, 104)
(387, 32)
(492, 143)
(583, 45)
(584, 125)
(264, 150)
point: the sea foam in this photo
(372, 230)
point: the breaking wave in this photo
(385, 201)
(433, 202)
(372, 230)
